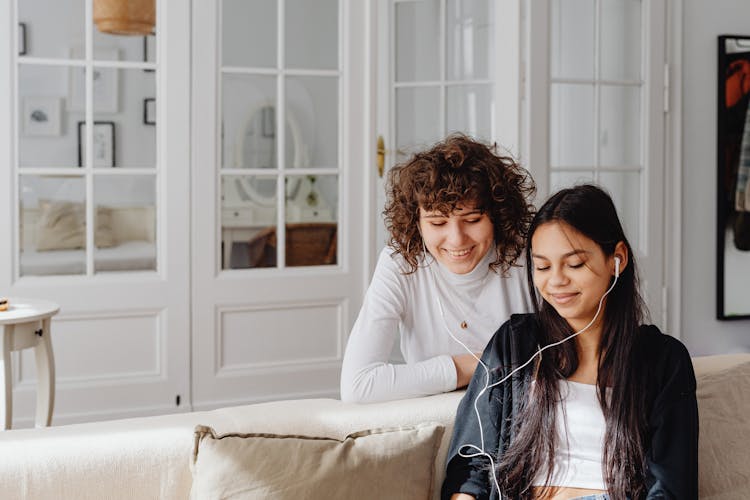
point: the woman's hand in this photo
(465, 366)
(462, 496)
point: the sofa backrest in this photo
(149, 457)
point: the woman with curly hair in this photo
(457, 215)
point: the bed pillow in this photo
(61, 226)
(394, 463)
(724, 406)
(104, 236)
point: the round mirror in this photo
(256, 148)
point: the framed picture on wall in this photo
(149, 50)
(733, 160)
(105, 83)
(42, 116)
(149, 111)
(103, 146)
(22, 50)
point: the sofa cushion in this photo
(724, 412)
(363, 465)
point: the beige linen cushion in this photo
(724, 440)
(394, 463)
(61, 226)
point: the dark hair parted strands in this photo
(457, 171)
(590, 211)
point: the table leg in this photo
(45, 375)
(6, 402)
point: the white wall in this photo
(703, 22)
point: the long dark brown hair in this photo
(590, 211)
(453, 172)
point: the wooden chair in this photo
(307, 244)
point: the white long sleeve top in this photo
(408, 304)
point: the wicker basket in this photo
(307, 244)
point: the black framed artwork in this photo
(733, 179)
(149, 50)
(103, 145)
(149, 111)
(22, 48)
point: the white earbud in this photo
(617, 267)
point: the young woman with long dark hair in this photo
(608, 413)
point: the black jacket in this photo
(672, 441)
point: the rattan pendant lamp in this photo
(125, 17)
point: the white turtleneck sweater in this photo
(408, 304)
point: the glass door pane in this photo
(52, 225)
(249, 33)
(417, 41)
(50, 28)
(125, 218)
(468, 39)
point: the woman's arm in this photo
(466, 365)
(673, 457)
(366, 374)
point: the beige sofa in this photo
(152, 457)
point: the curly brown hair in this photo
(457, 171)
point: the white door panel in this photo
(269, 324)
(121, 340)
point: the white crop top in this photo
(580, 443)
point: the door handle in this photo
(381, 152)
(381, 156)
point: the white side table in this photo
(26, 324)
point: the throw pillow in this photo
(104, 236)
(723, 407)
(396, 463)
(61, 226)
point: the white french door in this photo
(280, 134)
(575, 89)
(93, 204)
(596, 112)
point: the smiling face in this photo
(459, 240)
(571, 271)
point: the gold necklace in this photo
(463, 324)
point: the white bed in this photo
(53, 233)
(127, 256)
